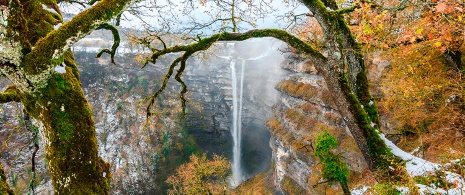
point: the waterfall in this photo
(237, 176)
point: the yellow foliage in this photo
(201, 176)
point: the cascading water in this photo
(237, 176)
(236, 132)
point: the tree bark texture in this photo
(31, 50)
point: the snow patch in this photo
(419, 167)
(360, 191)
(60, 69)
(403, 190)
(415, 166)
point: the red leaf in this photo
(430, 36)
(443, 49)
(441, 7)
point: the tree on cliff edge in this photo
(32, 54)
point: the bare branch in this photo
(164, 44)
(184, 87)
(162, 87)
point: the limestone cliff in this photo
(306, 110)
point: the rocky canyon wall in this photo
(304, 111)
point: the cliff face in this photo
(306, 110)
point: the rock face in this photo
(306, 110)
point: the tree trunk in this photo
(349, 89)
(68, 133)
(29, 57)
(345, 188)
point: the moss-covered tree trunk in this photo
(349, 89)
(69, 135)
(32, 55)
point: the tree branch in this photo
(184, 87)
(205, 43)
(116, 41)
(48, 50)
(347, 10)
(163, 85)
(9, 95)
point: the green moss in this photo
(334, 167)
(386, 189)
(41, 58)
(365, 98)
(71, 145)
(10, 94)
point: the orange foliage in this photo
(423, 95)
(387, 24)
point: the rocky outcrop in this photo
(306, 110)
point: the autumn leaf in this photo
(438, 44)
(430, 36)
(441, 7)
(448, 36)
(443, 49)
(459, 9)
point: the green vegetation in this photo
(334, 167)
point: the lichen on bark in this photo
(56, 100)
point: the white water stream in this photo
(237, 175)
(236, 132)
